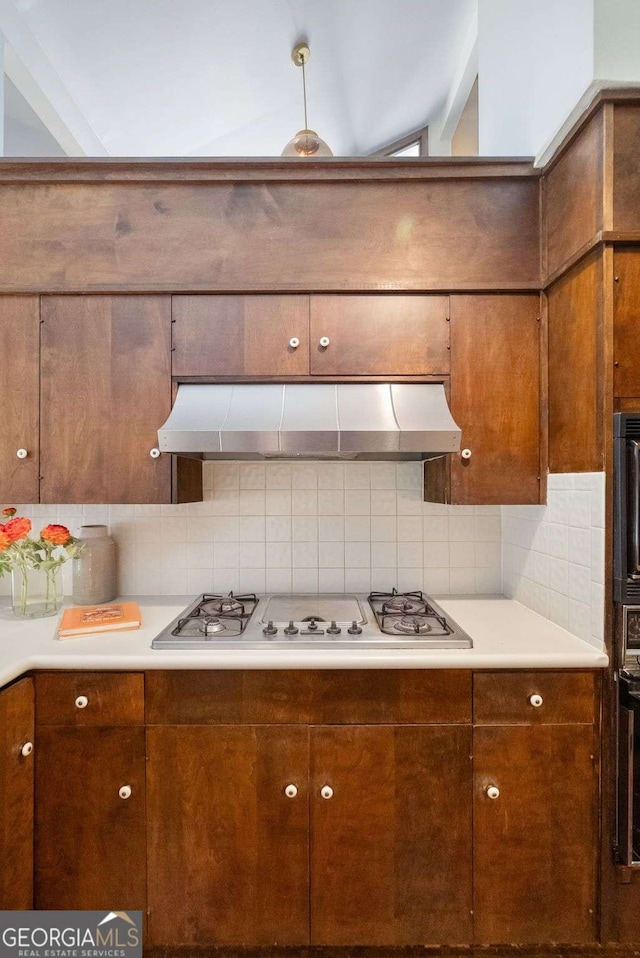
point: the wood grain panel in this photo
(391, 857)
(626, 167)
(240, 335)
(16, 797)
(290, 697)
(502, 698)
(575, 440)
(106, 389)
(436, 234)
(573, 196)
(626, 322)
(535, 846)
(373, 335)
(228, 850)
(90, 843)
(20, 385)
(114, 698)
(495, 398)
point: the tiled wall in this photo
(553, 555)
(302, 527)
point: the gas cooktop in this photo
(391, 620)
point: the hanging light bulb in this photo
(306, 142)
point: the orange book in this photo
(85, 619)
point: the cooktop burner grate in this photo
(217, 616)
(407, 613)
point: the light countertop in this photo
(505, 635)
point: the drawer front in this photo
(90, 698)
(309, 697)
(534, 698)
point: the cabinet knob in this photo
(492, 792)
(326, 791)
(466, 454)
(81, 702)
(324, 341)
(536, 700)
(125, 791)
(291, 791)
(22, 453)
(294, 342)
(154, 453)
(26, 749)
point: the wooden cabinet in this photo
(260, 867)
(536, 771)
(16, 796)
(318, 807)
(318, 335)
(626, 337)
(240, 335)
(535, 842)
(390, 828)
(90, 841)
(228, 847)
(105, 390)
(20, 380)
(495, 399)
(392, 335)
(90, 818)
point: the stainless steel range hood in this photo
(310, 420)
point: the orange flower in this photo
(17, 528)
(56, 535)
(9, 512)
(5, 541)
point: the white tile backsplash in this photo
(359, 526)
(553, 555)
(304, 526)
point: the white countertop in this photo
(505, 635)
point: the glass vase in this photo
(35, 592)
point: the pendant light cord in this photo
(304, 96)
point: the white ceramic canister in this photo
(95, 577)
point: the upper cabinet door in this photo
(19, 345)
(495, 398)
(16, 796)
(626, 339)
(106, 388)
(381, 335)
(241, 335)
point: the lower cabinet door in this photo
(90, 819)
(228, 835)
(535, 834)
(391, 835)
(16, 796)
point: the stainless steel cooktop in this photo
(382, 620)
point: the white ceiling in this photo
(214, 77)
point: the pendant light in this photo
(306, 142)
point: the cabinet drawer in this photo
(309, 697)
(534, 698)
(89, 698)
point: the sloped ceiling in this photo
(214, 77)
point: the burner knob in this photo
(269, 628)
(333, 628)
(290, 629)
(313, 625)
(354, 629)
